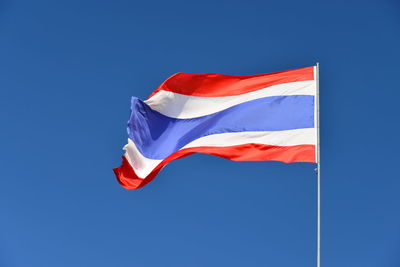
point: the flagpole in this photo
(318, 171)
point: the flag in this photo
(238, 117)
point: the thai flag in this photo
(252, 117)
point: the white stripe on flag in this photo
(143, 166)
(180, 106)
(274, 138)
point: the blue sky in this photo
(68, 70)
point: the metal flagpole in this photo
(318, 171)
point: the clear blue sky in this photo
(68, 69)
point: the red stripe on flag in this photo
(212, 85)
(247, 152)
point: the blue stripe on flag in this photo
(157, 136)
